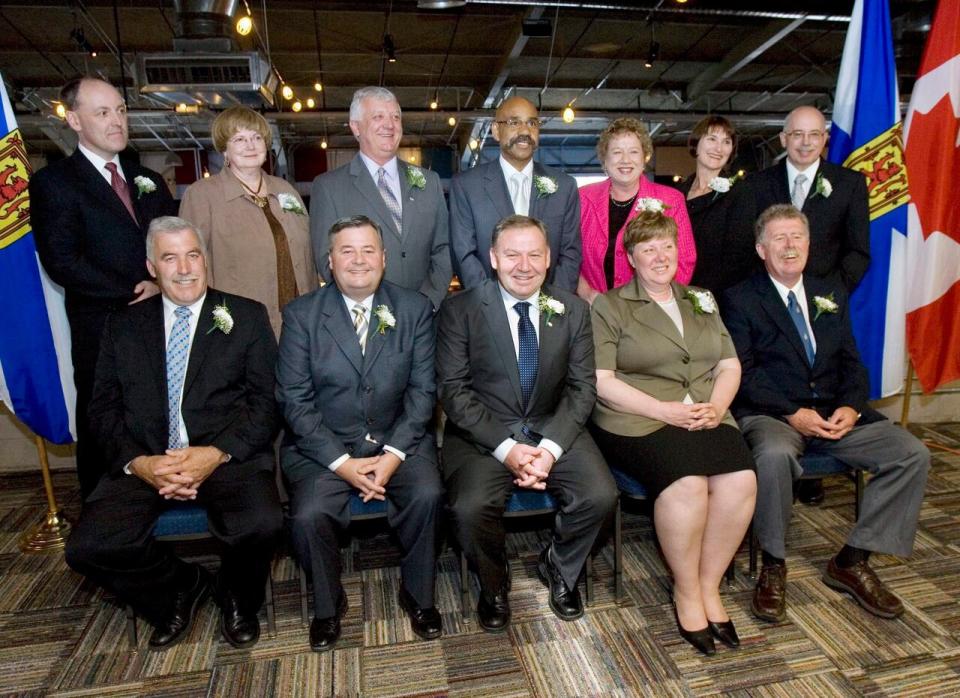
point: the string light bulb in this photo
(287, 92)
(323, 144)
(60, 111)
(452, 121)
(434, 104)
(244, 25)
(569, 115)
(296, 106)
(318, 86)
(474, 144)
(311, 102)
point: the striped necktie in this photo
(360, 325)
(390, 200)
(178, 350)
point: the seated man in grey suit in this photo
(405, 201)
(514, 184)
(356, 385)
(516, 378)
(804, 390)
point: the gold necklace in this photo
(260, 201)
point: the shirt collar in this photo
(169, 307)
(511, 300)
(367, 303)
(810, 172)
(97, 161)
(784, 290)
(509, 170)
(390, 167)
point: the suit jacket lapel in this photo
(338, 323)
(368, 188)
(496, 188)
(538, 201)
(649, 314)
(154, 342)
(816, 287)
(552, 341)
(693, 322)
(203, 339)
(375, 340)
(773, 304)
(406, 197)
(493, 311)
(97, 187)
(781, 184)
(133, 170)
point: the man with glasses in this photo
(514, 185)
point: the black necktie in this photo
(527, 361)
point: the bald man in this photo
(514, 184)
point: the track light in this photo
(244, 25)
(389, 48)
(568, 114)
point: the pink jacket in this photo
(594, 221)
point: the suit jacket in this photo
(227, 391)
(595, 231)
(479, 199)
(636, 338)
(479, 381)
(87, 241)
(839, 223)
(333, 396)
(418, 257)
(777, 379)
(241, 254)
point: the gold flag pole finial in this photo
(51, 533)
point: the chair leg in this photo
(303, 596)
(464, 582)
(618, 553)
(131, 626)
(732, 569)
(589, 573)
(270, 603)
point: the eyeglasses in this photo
(812, 136)
(513, 122)
(255, 139)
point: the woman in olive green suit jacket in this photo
(667, 371)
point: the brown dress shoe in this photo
(770, 596)
(863, 584)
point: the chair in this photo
(186, 521)
(522, 503)
(359, 511)
(815, 467)
(630, 489)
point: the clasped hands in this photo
(692, 417)
(809, 423)
(530, 466)
(179, 472)
(370, 475)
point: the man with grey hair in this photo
(404, 200)
(183, 410)
(804, 390)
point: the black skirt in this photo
(670, 453)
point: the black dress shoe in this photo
(725, 632)
(810, 492)
(185, 605)
(324, 632)
(425, 622)
(238, 628)
(564, 601)
(700, 639)
(493, 611)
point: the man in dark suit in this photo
(356, 384)
(514, 184)
(405, 201)
(517, 381)
(833, 198)
(183, 409)
(90, 235)
(804, 390)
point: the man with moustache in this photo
(183, 409)
(355, 381)
(804, 390)
(90, 214)
(516, 379)
(405, 201)
(514, 184)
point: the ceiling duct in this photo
(205, 66)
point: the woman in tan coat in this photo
(255, 225)
(667, 371)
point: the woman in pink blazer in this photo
(606, 207)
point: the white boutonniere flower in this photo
(288, 202)
(145, 185)
(385, 319)
(222, 319)
(703, 301)
(825, 304)
(415, 178)
(823, 186)
(545, 186)
(549, 307)
(721, 185)
(649, 203)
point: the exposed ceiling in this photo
(753, 61)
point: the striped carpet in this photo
(59, 636)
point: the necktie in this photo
(528, 360)
(390, 200)
(178, 349)
(360, 325)
(798, 195)
(286, 276)
(797, 316)
(521, 205)
(120, 187)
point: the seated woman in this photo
(666, 372)
(607, 207)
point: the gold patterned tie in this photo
(360, 325)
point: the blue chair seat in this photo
(628, 485)
(819, 465)
(366, 510)
(182, 519)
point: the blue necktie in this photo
(797, 316)
(528, 360)
(390, 200)
(178, 350)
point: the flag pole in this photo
(908, 389)
(51, 533)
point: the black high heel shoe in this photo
(725, 632)
(700, 639)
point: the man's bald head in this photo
(517, 130)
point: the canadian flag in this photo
(931, 134)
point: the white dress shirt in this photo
(392, 173)
(513, 318)
(99, 164)
(169, 308)
(801, 301)
(810, 172)
(509, 171)
(367, 304)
